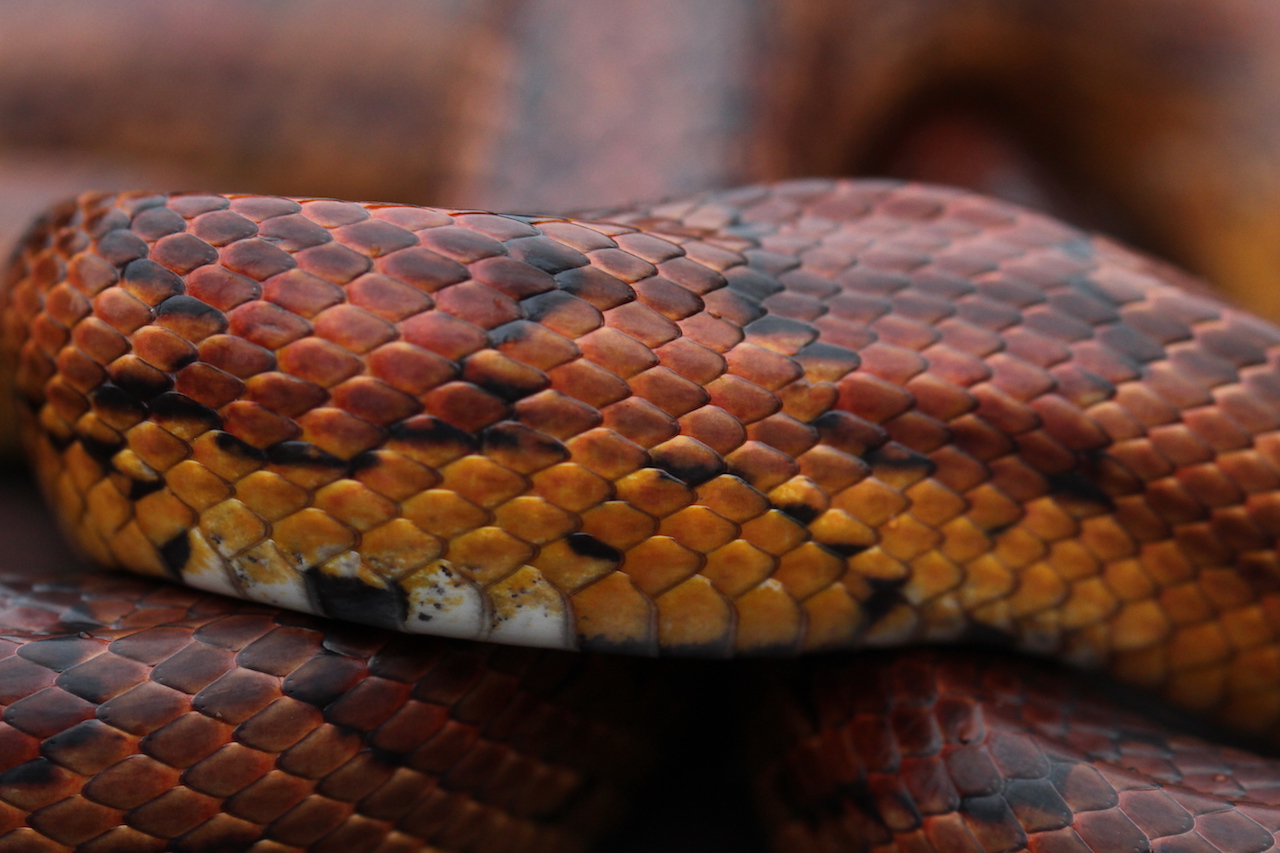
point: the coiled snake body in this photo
(802, 417)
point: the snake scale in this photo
(802, 417)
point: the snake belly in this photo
(809, 416)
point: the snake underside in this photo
(802, 417)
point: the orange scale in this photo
(571, 487)
(222, 227)
(236, 356)
(1007, 414)
(1181, 445)
(496, 225)
(284, 395)
(648, 247)
(482, 481)
(226, 456)
(231, 526)
(255, 258)
(691, 360)
(293, 232)
(333, 262)
(66, 305)
(774, 532)
(332, 213)
(614, 351)
(504, 376)
(375, 237)
(733, 498)
(575, 235)
(302, 293)
(1238, 531)
(794, 305)
(155, 446)
(604, 452)
(163, 349)
(196, 485)
(745, 400)
(763, 367)
(1178, 390)
(394, 475)
(768, 620)
(991, 509)
(487, 554)
(79, 371)
(613, 614)
(465, 406)
(554, 414)
(162, 517)
(667, 298)
(531, 519)
(621, 264)
(1246, 407)
(1209, 484)
(710, 331)
(1021, 482)
(699, 529)
(918, 431)
(640, 421)
(658, 563)
(733, 305)
(353, 328)
(654, 492)
(714, 427)
(270, 496)
(643, 323)
(339, 433)
(534, 345)
(563, 313)
(266, 324)
(397, 547)
(760, 465)
(318, 361)
(617, 524)
(668, 390)
(477, 304)
(808, 569)
(123, 312)
(694, 615)
(442, 513)
(47, 335)
(90, 274)
(1249, 470)
(511, 277)
(520, 449)
(807, 401)
(257, 426)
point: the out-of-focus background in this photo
(1155, 120)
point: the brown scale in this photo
(814, 415)
(932, 751)
(147, 718)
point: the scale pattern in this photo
(141, 717)
(932, 751)
(806, 416)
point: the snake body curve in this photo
(809, 416)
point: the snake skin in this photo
(140, 717)
(815, 415)
(931, 751)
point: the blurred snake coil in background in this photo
(1156, 122)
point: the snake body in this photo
(807, 416)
